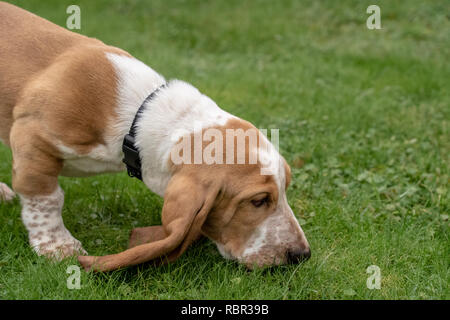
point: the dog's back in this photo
(28, 44)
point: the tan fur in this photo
(227, 217)
(51, 79)
(187, 203)
(57, 87)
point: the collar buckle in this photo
(131, 157)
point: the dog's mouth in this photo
(224, 252)
(269, 259)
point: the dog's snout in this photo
(298, 255)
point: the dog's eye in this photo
(258, 203)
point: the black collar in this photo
(131, 153)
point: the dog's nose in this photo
(298, 255)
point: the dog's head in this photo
(239, 204)
(251, 220)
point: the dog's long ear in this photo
(143, 235)
(187, 201)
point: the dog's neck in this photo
(176, 110)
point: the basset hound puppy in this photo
(72, 106)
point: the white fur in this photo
(179, 109)
(224, 251)
(276, 230)
(41, 216)
(135, 82)
(101, 159)
(6, 194)
(280, 231)
(176, 110)
(281, 228)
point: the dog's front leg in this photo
(48, 236)
(36, 167)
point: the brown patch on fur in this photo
(232, 219)
(143, 235)
(232, 124)
(55, 229)
(188, 200)
(287, 170)
(56, 86)
(217, 198)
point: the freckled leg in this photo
(6, 194)
(35, 179)
(47, 234)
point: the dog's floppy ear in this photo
(143, 235)
(187, 201)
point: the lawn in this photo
(364, 123)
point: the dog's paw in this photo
(59, 250)
(6, 194)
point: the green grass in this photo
(363, 118)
